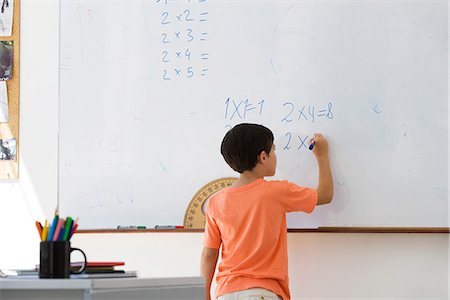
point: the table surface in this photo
(99, 283)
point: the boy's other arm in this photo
(207, 268)
(325, 187)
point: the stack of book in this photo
(95, 269)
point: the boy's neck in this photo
(247, 177)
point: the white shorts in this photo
(251, 294)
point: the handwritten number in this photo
(188, 13)
(191, 37)
(227, 103)
(190, 72)
(165, 54)
(289, 136)
(164, 39)
(287, 117)
(188, 54)
(330, 114)
(311, 112)
(164, 20)
(165, 76)
(261, 104)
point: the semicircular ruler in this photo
(194, 216)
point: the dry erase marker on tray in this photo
(131, 227)
(169, 227)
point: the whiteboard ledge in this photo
(445, 230)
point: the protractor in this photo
(194, 216)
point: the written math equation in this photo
(249, 110)
(183, 39)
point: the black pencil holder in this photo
(55, 259)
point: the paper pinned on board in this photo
(8, 149)
(6, 17)
(6, 59)
(3, 102)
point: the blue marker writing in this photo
(312, 145)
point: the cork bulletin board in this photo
(9, 168)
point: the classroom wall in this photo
(322, 265)
(448, 158)
(34, 195)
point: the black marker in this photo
(131, 227)
(169, 227)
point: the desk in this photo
(186, 288)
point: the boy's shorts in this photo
(251, 294)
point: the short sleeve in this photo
(212, 233)
(300, 198)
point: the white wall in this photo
(34, 195)
(322, 265)
(448, 139)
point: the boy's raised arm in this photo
(325, 186)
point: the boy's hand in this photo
(320, 146)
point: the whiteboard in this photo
(149, 88)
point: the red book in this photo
(98, 263)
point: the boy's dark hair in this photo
(242, 145)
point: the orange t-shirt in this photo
(250, 224)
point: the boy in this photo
(248, 219)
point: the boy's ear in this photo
(262, 156)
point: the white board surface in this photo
(149, 88)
